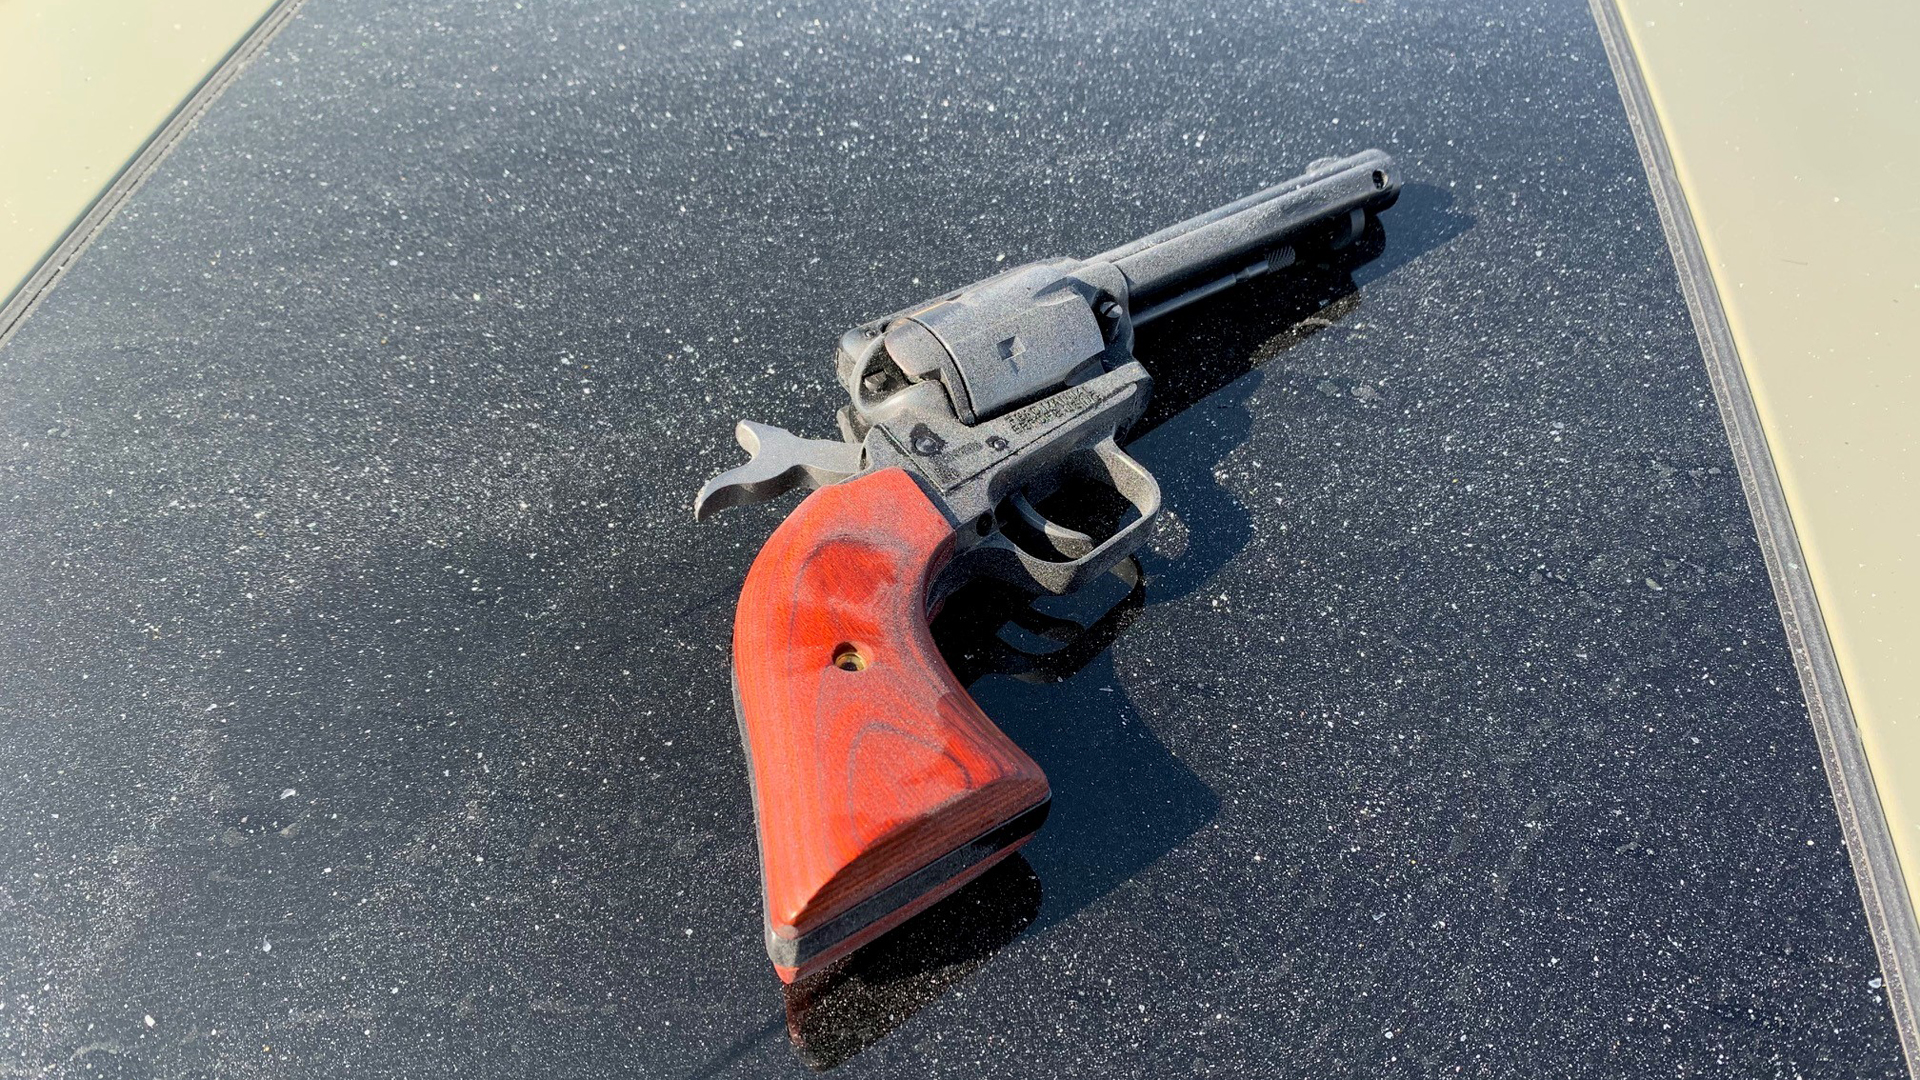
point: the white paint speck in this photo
(147, 1020)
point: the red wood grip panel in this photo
(878, 784)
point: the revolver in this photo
(879, 787)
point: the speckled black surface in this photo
(363, 677)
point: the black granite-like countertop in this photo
(363, 676)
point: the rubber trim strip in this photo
(1863, 825)
(48, 274)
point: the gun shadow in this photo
(837, 1013)
(1044, 670)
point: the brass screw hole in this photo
(848, 658)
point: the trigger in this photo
(1071, 543)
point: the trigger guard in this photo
(999, 557)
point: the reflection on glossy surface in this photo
(841, 1011)
(988, 628)
(1197, 351)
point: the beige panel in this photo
(1795, 130)
(84, 84)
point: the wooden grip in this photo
(878, 784)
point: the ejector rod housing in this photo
(1247, 237)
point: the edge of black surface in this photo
(80, 234)
(1887, 904)
(1876, 865)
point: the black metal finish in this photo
(364, 686)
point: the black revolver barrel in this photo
(1202, 255)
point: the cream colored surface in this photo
(83, 84)
(1795, 130)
